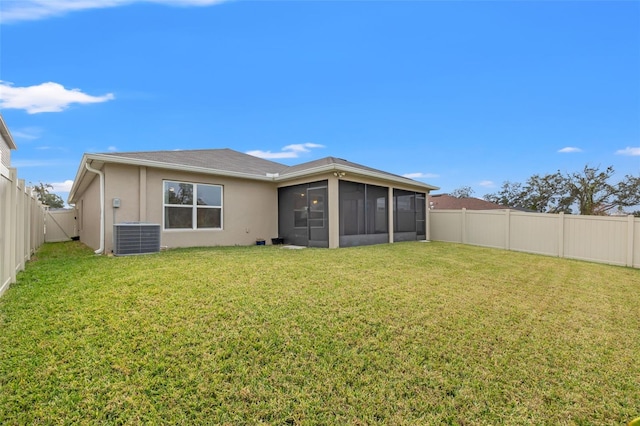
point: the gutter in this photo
(101, 174)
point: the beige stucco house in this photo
(224, 197)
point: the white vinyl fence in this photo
(21, 225)
(604, 239)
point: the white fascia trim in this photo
(6, 134)
(79, 175)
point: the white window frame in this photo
(194, 206)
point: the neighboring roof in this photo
(228, 162)
(447, 202)
(6, 135)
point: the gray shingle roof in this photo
(233, 161)
(329, 161)
(215, 159)
(230, 162)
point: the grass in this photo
(409, 333)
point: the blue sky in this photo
(451, 93)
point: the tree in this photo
(540, 193)
(462, 192)
(547, 194)
(47, 198)
(590, 191)
(510, 195)
(593, 193)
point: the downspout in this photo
(101, 174)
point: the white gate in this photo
(60, 225)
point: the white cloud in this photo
(289, 151)
(31, 10)
(420, 175)
(27, 133)
(633, 151)
(487, 183)
(45, 97)
(19, 164)
(569, 149)
(112, 148)
(62, 186)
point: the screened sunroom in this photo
(363, 214)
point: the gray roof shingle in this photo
(333, 160)
(216, 159)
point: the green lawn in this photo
(410, 333)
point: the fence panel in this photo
(485, 228)
(599, 239)
(5, 230)
(535, 233)
(635, 244)
(604, 239)
(445, 225)
(21, 226)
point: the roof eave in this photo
(6, 134)
(355, 170)
(107, 158)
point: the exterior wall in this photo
(249, 212)
(88, 209)
(5, 153)
(250, 208)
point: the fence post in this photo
(13, 217)
(507, 230)
(561, 234)
(630, 235)
(464, 225)
(22, 233)
(27, 224)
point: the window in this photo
(192, 206)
